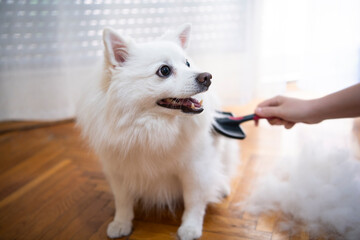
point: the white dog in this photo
(147, 122)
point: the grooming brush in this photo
(229, 126)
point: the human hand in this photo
(285, 111)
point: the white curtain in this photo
(332, 45)
(49, 47)
(313, 42)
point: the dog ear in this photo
(116, 47)
(181, 35)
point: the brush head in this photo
(227, 127)
(229, 130)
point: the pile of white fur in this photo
(318, 190)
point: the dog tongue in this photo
(190, 105)
(188, 102)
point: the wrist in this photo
(314, 111)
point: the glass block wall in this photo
(47, 33)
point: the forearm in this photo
(341, 104)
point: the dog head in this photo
(155, 76)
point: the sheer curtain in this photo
(313, 42)
(49, 47)
(332, 45)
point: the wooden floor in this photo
(52, 187)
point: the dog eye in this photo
(164, 71)
(187, 63)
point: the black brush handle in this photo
(238, 120)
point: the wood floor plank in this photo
(45, 210)
(234, 227)
(301, 236)
(37, 198)
(81, 224)
(212, 222)
(266, 222)
(153, 231)
(249, 216)
(100, 233)
(278, 235)
(34, 183)
(62, 221)
(28, 168)
(217, 236)
(9, 148)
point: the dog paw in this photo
(116, 229)
(189, 232)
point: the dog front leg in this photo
(124, 213)
(195, 205)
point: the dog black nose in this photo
(204, 78)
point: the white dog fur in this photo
(317, 190)
(148, 152)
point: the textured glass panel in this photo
(46, 33)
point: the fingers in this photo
(289, 125)
(278, 121)
(275, 101)
(267, 112)
(270, 107)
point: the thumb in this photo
(267, 112)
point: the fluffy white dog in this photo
(147, 122)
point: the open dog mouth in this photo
(186, 105)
